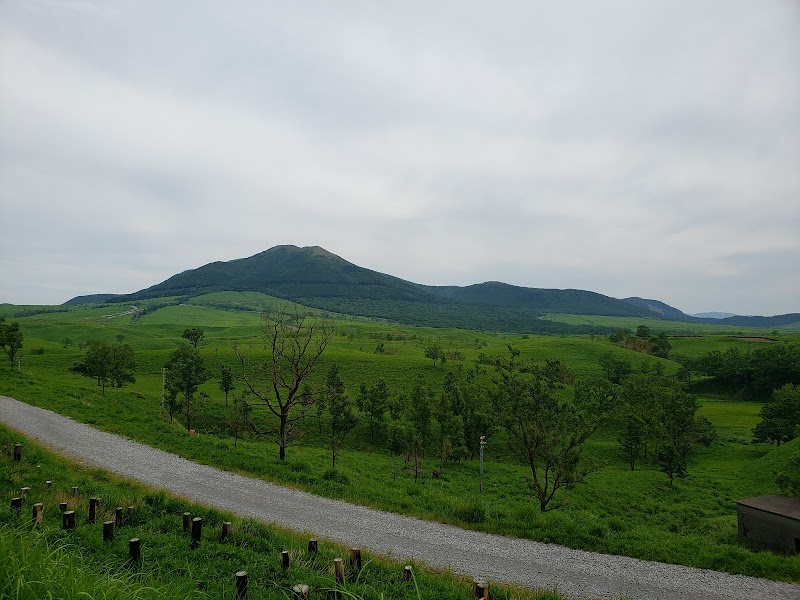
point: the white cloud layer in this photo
(626, 147)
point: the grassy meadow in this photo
(618, 511)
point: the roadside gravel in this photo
(575, 573)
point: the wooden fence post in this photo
(241, 584)
(108, 531)
(93, 502)
(118, 516)
(74, 490)
(135, 549)
(24, 491)
(187, 522)
(338, 570)
(355, 560)
(408, 574)
(226, 530)
(480, 589)
(197, 531)
(301, 591)
(48, 483)
(62, 506)
(285, 560)
(16, 504)
(68, 519)
(312, 547)
(17, 452)
(38, 508)
(131, 512)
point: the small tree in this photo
(186, 372)
(339, 406)
(373, 402)
(194, 335)
(780, 418)
(226, 382)
(435, 353)
(789, 480)
(294, 343)
(548, 433)
(10, 339)
(123, 365)
(241, 413)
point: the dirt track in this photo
(575, 573)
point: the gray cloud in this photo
(630, 148)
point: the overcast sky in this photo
(629, 147)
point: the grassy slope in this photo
(672, 327)
(50, 562)
(692, 524)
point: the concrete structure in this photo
(772, 521)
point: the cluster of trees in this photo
(753, 374)
(109, 364)
(654, 416)
(10, 339)
(780, 417)
(643, 341)
(657, 418)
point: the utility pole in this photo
(483, 443)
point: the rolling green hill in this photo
(314, 277)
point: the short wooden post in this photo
(93, 502)
(241, 584)
(68, 519)
(131, 512)
(312, 547)
(38, 509)
(16, 504)
(226, 530)
(24, 491)
(135, 549)
(408, 574)
(48, 483)
(17, 452)
(480, 589)
(74, 490)
(118, 516)
(197, 531)
(108, 531)
(338, 570)
(355, 560)
(285, 560)
(187, 522)
(62, 506)
(301, 591)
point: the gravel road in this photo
(574, 572)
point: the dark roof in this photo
(779, 505)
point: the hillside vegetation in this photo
(616, 510)
(317, 278)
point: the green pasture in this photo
(675, 327)
(615, 511)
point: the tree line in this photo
(543, 411)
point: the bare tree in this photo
(294, 343)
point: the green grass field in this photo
(46, 561)
(614, 511)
